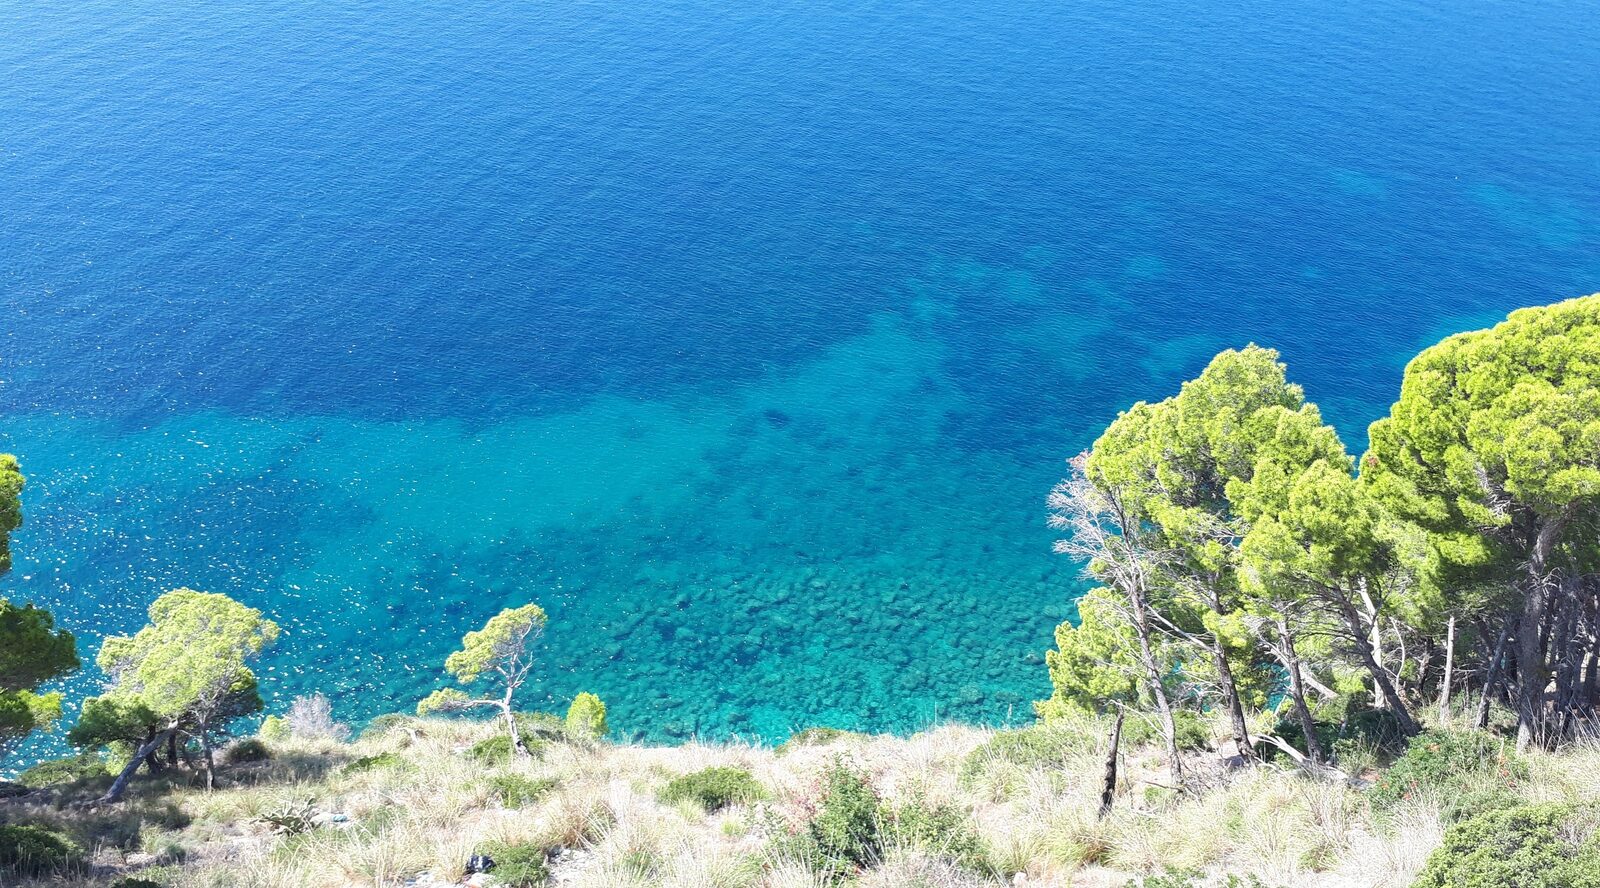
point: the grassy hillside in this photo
(410, 804)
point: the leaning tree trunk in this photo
(1230, 699)
(1297, 691)
(517, 744)
(1385, 688)
(1158, 691)
(1108, 792)
(1492, 677)
(120, 785)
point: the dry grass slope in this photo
(418, 807)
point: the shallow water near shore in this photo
(747, 342)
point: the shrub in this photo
(35, 851)
(274, 730)
(1529, 846)
(290, 817)
(520, 865)
(1446, 763)
(713, 788)
(311, 718)
(247, 750)
(1036, 746)
(941, 830)
(844, 836)
(58, 772)
(1189, 730)
(1461, 806)
(815, 737)
(540, 724)
(373, 762)
(385, 723)
(517, 791)
(586, 717)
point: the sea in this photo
(747, 339)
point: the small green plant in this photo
(521, 865)
(1189, 731)
(1036, 746)
(290, 817)
(714, 788)
(249, 749)
(373, 762)
(517, 791)
(814, 737)
(586, 717)
(35, 851)
(1529, 846)
(845, 836)
(541, 724)
(58, 772)
(1447, 763)
(383, 724)
(938, 829)
(496, 750)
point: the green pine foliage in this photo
(586, 718)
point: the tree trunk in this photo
(1158, 689)
(1449, 671)
(120, 785)
(152, 762)
(172, 749)
(1230, 699)
(1291, 663)
(1382, 686)
(517, 745)
(1496, 667)
(1108, 791)
(206, 758)
(1531, 676)
(1374, 652)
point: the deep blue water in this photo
(746, 338)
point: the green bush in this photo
(518, 865)
(586, 718)
(373, 762)
(815, 737)
(1445, 764)
(496, 750)
(58, 772)
(247, 750)
(34, 851)
(517, 791)
(1189, 730)
(1461, 806)
(713, 788)
(540, 724)
(1036, 746)
(844, 837)
(852, 827)
(939, 829)
(274, 729)
(385, 723)
(1529, 846)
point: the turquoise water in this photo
(745, 340)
